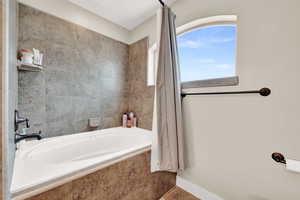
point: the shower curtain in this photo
(167, 147)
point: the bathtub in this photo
(48, 163)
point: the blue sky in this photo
(207, 53)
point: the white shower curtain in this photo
(167, 146)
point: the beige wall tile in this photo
(141, 96)
(127, 180)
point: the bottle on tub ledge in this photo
(129, 120)
(124, 120)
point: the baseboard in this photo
(196, 190)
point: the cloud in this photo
(191, 44)
(206, 60)
(194, 44)
(225, 66)
(221, 40)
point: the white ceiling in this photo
(126, 13)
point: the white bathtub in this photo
(45, 164)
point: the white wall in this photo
(72, 13)
(230, 139)
(9, 93)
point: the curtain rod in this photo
(161, 2)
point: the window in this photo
(151, 70)
(207, 53)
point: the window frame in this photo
(230, 20)
(220, 20)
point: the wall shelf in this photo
(29, 67)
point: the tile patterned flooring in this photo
(177, 193)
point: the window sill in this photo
(218, 82)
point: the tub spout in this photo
(20, 137)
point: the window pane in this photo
(207, 53)
(152, 60)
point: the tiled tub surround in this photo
(141, 96)
(88, 75)
(46, 163)
(110, 164)
(126, 180)
(85, 76)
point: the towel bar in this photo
(262, 92)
